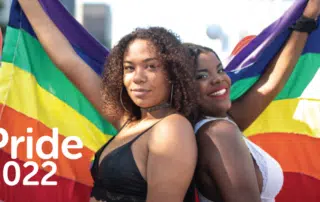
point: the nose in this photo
(216, 79)
(139, 75)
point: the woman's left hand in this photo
(312, 9)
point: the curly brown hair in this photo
(177, 63)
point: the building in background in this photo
(96, 18)
(4, 13)
(70, 5)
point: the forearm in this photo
(281, 67)
(53, 41)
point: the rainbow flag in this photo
(289, 129)
(0, 43)
(34, 93)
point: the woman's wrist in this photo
(304, 24)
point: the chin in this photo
(225, 109)
(228, 106)
(142, 103)
(217, 111)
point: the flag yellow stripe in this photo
(20, 91)
(298, 115)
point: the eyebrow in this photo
(205, 70)
(146, 60)
(202, 70)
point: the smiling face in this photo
(213, 85)
(145, 77)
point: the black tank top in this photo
(118, 177)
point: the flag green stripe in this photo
(303, 73)
(241, 86)
(306, 68)
(29, 55)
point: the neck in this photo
(218, 115)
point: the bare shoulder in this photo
(174, 126)
(219, 130)
(171, 148)
(172, 130)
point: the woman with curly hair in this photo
(148, 91)
(230, 167)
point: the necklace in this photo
(154, 108)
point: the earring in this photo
(122, 101)
(171, 94)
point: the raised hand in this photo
(312, 9)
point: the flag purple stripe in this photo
(255, 48)
(256, 68)
(87, 47)
(74, 32)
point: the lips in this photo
(140, 92)
(220, 93)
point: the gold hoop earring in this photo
(171, 95)
(122, 101)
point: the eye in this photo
(151, 66)
(220, 71)
(128, 68)
(201, 75)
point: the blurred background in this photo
(218, 24)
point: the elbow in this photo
(268, 90)
(271, 87)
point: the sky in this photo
(190, 19)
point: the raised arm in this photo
(171, 160)
(225, 163)
(248, 107)
(65, 58)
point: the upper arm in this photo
(89, 83)
(64, 57)
(225, 158)
(249, 106)
(171, 160)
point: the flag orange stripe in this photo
(242, 43)
(66, 189)
(16, 125)
(296, 153)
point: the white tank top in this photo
(270, 169)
